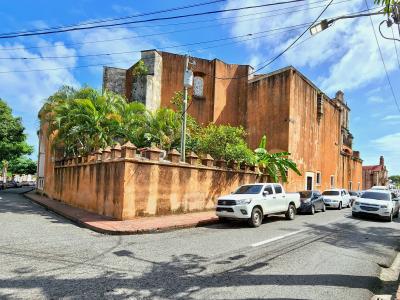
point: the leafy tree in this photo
(22, 165)
(224, 142)
(395, 179)
(12, 138)
(275, 164)
(389, 4)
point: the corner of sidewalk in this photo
(108, 225)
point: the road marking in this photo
(276, 238)
(293, 233)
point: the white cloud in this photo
(389, 146)
(124, 42)
(345, 55)
(375, 100)
(391, 118)
(25, 91)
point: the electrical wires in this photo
(383, 61)
(79, 28)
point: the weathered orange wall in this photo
(268, 112)
(224, 101)
(230, 95)
(125, 188)
(283, 105)
(157, 188)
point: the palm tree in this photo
(275, 164)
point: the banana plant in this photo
(275, 164)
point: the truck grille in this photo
(367, 208)
(227, 202)
(228, 209)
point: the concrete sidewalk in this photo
(109, 225)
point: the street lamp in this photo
(317, 28)
(324, 24)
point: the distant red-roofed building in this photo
(375, 175)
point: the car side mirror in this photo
(265, 193)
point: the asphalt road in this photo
(326, 256)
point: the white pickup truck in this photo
(254, 201)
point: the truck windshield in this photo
(376, 196)
(249, 189)
(331, 193)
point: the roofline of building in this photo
(304, 77)
(288, 68)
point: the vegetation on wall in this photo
(84, 120)
(275, 164)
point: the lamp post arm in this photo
(355, 16)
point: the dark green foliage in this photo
(12, 138)
(224, 142)
(274, 164)
(22, 165)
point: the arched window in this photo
(198, 86)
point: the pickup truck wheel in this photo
(256, 217)
(340, 206)
(390, 218)
(291, 212)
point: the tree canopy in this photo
(12, 138)
(84, 120)
(22, 165)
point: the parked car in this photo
(311, 201)
(12, 184)
(380, 203)
(252, 202)
(336, 198)
(380, 188)
(354, 196)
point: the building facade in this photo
(375, 175)
(294, 114)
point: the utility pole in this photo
(187, 83)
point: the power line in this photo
(395, 47)
(129, 60)
(383, 61)
(5, 36)
(135, 51)
(119, 18)
(269, 62)
(187, 29)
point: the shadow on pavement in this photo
(179, 278)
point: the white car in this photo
(378, 203)
(380, 188)
(254, 201)
(336, 198)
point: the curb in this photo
(99, 229)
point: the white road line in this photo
(293, 233)
(276, 238)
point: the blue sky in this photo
(343, 57)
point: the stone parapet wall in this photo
(120, 183)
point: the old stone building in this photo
(375, 175)
(295, 115)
